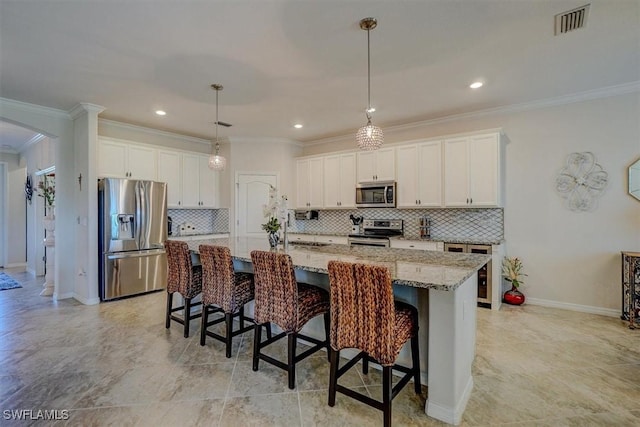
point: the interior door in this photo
(252, 192)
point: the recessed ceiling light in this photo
(371, 110)
(476, 85)
(297, 126)
(161, 112)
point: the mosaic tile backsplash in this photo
(476, 224)
(205, 221)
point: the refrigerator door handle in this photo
(136, 254)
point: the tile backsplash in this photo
(466, 223)
(205, 221)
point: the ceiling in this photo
(283, 62)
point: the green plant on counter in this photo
(272, 225)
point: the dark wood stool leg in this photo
(228, 320)
(187, 316)
(291, 356)
(334, 358)
(268, 327)
(241, 317)
(365, 364)
(203, 327)
(169, 307)
(327, 326)
(415, 355)
(257, 331)
(386, 395)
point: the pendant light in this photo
(216, 161)
(369, 137)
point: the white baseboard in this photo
(85, 301)
(16, 264)
(451, 415)
(610, 312)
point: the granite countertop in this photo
(422, 269)
(454, 239)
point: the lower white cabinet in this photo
(336, 240)
(417, 245)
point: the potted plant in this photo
(272, 227)
(512, 272)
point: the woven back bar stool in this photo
(184, 278)
(365, 316)
(280, 299)
(224, 291)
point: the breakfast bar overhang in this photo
(442, 285)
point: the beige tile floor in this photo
(116, 364)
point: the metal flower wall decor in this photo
(581, 182)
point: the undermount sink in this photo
(303, 243)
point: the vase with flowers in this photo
(512, 272)
(275, 212)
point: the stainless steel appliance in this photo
(377, 232)
(485, 288)
(132, 229)
(376, 195)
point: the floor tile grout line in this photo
(233, 371)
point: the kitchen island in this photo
(442, 285)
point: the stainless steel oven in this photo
(376, 195)
(376, 232)
(485, 287)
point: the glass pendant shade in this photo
(369, 137)
(216, 161)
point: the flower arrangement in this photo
(512, 271)
(275, 211)
(47, 190)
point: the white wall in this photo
(15, 237)
(571, 258)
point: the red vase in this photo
(513, 296)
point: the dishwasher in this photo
(484, 274)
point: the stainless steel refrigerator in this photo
(132, 229)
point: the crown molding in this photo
(264, 140)
(32, 108)
(589, 95)
(152, 131)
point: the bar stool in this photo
(365, 316)
(224, 291)
(280, 299)
(184, 278)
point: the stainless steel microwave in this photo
(376, 195)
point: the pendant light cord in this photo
(368, 72)
(217, 144)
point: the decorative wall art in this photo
(581, 182)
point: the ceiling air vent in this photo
(225, 124)
(572, 19)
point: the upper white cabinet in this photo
(472, 171)
(170, 171)
(378, 165)
(122, 160)
(340, 181)
(199, 183)
(419, 175)
(310, 183)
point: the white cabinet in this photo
(340, 181)
(378, 165)
(417, 245)
(170, 171)
(199, 183)
(310, 183)
(472, 171)
(419, 175)
(118, 159)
